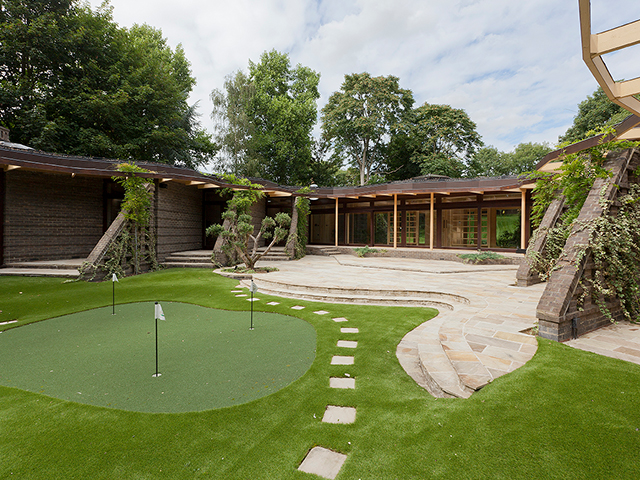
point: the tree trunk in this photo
(290, 247)
(218, 256)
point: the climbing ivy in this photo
(614, 239)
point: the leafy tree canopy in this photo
(359, 119)
(595, 112)
(72, 81)
(490, 162)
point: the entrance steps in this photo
(50, 268)
(189, 259)
(202, 258)
(461, 351)
(358, 296)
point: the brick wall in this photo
(558, 314)
(179, 219)
(50, 216)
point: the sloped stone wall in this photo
(558, 315)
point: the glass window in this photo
(322, 228)
(358, 228)
(417, 223)
(384, 229)
(459, 228)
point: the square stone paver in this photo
(323, 462)
(273, 303)
(335, 414)
(321, 312)
(297, 307)
(347, 343)
(339, 382)
(341, 360)
(242, 295)
(340, 319)
(349, 330)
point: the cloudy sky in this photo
(514, 66)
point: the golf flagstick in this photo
(159, 314)
(114, 279)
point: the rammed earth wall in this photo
(558, 314)
(50, 216)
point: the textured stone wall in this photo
(558, 315)
(50, 216)
(179, 219)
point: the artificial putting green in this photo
(208, 358)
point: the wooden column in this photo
(523, 220)
(336, 234)
(395, 220)
(431, 221)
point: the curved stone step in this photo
(355, 299)
(440, 298)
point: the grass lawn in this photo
(566, 414)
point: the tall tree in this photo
(593, 112)
(72, 81)
(283, 112)
(443, 139)
(360, 118)
(233, 128)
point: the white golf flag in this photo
(159, 312)
(114, 278)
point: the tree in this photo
(72, 81)
(237, 229)
(443, 139)
(283, 112)
(233, 128)
(359, 119)
(490, 162)
(594, 112)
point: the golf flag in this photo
(114, 278)
(159, 312)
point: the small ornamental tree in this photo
(238, 228)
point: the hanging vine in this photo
(135, 246)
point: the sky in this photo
(515, 67)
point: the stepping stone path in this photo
(341, 360)
(321, 461)
(335, 414)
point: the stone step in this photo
(180, 264)
(355, 297)
(40, 272)
(445, 299)
(470, 370)
(185, 259)
(193, 254)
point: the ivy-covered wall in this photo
(564, 310)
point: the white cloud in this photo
(515, 67)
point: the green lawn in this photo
(566, 414)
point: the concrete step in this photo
(40, 272)
(185, 259)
